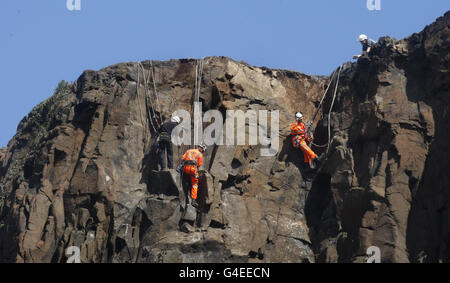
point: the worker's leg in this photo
(296, 141)
(186, 183)
(162, 155)
(307, 152)
(194, 189)
(169, 148)
(191, 171)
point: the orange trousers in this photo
(308, 154)
(192, 171)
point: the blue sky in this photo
(43, 43)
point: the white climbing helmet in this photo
(203, 146)
(176, 119)
(362, 37)
(298, 116)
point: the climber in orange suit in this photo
(300, 139)
(192, 160)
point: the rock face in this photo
(79, 171)
(386, 178)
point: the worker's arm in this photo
(200, 160)
(159, 133)
(293, 127)
(160, 129)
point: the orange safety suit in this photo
(192, 159)
(300, 139)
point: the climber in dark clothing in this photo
(367, 45)
(165, 142)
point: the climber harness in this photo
(190, 163)
(191, 158)
(165, 137)
(299, 132)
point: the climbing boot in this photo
(306, 167)
(187, 228)
(317, 162)
(313, 164)
(194, 203)
(322, 157)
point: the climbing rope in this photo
(200, 79)
(155, 92)
(196, 83)
(331, 108)
(309, 129)
(321, 102)
(197, 88)
(139, 99)
(150, 100)
(320, 146)
(145, 80)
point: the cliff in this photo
(79, 171)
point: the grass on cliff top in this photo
(62, 89)
(38, 122)
(39, 114)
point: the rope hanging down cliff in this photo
(198, 79)
(149, 101)
(149, 121)
(311, 124)
(331, 108)
(310, 127)
(197, 88)
(321, 102)
(152, 69)
(138, 96)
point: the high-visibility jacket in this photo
(192, 159)
(300, 139)
(298, 128)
